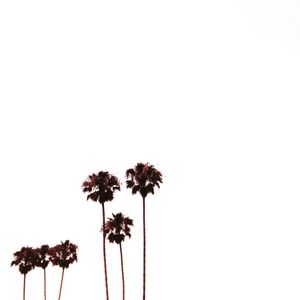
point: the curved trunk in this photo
(24, 286)
(44, 284)
(104, 252)
(122, 268)
(61, 282)
(144, 249)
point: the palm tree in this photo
(101, 188)
(42, 261)
(25, 259)
(117, 228)
(143, 178)
(63, 255)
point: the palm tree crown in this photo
(42, 259)
(101, 186)
(143, 178)
(117, 228)
(25, 259)
(64, 254)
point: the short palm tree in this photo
(117, 228)
(42, 261)
(63, 255)
(101, 188)
(25, 259)
(142, 179)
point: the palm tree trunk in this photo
(122, 268)
(24, 286)
(144, 250)
(44, 284)
(61, 282)
(104, 252)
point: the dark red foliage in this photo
(42, 260)
(101, 186)
(117, 228)
(26, 259)
(63, 255)
(143, 178)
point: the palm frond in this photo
(130, 173)
(135, 189)
(129, 183)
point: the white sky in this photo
(207, 91)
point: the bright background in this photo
(207, 91)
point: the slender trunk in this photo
(104, 252)
(24, 286)
(144, 250)
(61, 282)
(44, 284)
(122, 268)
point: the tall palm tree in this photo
(42, 261)
(25, 259)
(101, 188)
(142, 179)
(63, 255)
(117, 229)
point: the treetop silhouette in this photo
(143, 178)
(101, 186)
(42, 256)
(117, 228)
(25, 259)
(64, 254)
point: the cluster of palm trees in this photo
(142, 179)
(62, 255)
(100, 187)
